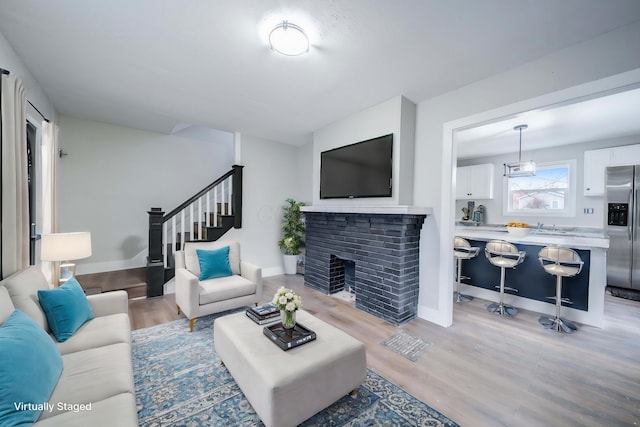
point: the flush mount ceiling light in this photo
(288, 39)
(514, 170)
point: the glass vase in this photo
(288, 318)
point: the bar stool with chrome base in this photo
(462, 249)
(504, 255)
(560, 262)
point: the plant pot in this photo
(290, 264)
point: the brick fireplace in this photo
(375, 250)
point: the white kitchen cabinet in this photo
(625, 155)
(595, 162)
(474, 182)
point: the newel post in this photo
(155, 234)
(237, 196)
(155, 261)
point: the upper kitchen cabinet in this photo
(474, 182)
(596, 161)
(625, 155)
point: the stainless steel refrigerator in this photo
(622, 204)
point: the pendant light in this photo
(514, 170)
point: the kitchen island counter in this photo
(586, 290)
(568, 239)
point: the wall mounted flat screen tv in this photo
(362, 169)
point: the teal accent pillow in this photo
(214, 263)
(66, 308)
(30, 369)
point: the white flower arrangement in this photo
(287, 300)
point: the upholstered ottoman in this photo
(287, 387)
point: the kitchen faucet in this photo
(539, 226)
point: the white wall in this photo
(12, 63)
(113, 175)
(271, 175)
(305, 174)
(396, 116)
(528, 86)
(407, 149)
(494, 209)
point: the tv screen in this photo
(357, 170)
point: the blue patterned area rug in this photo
(180, 381)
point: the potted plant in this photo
(292, 235)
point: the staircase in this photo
(215, 223)
(205, 216)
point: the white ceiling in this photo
(606, 117)
(166, 64)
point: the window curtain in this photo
(49, 172)
(15, 191)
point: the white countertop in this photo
(389, 210)
(578, 242)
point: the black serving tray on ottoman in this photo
(289, 338)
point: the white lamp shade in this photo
(65, 246)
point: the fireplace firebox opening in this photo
(342, 278)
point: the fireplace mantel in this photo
(380, 210)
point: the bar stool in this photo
(504, 255)
(462, 249)
(560, 262)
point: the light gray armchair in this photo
(196, 298)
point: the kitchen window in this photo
(551, 192)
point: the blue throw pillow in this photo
(214, 263)
(66, 308)
(30, 369)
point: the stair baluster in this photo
(229, 194)
(200, 229)
(207, 218)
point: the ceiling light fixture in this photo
(288, 39)
(514, 170)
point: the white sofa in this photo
(196, 298)
(97, 364)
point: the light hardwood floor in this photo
(486, 370)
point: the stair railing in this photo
(189, 221)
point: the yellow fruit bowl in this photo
(518, 231)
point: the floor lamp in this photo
(64, 248)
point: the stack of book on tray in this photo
(263, 313)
